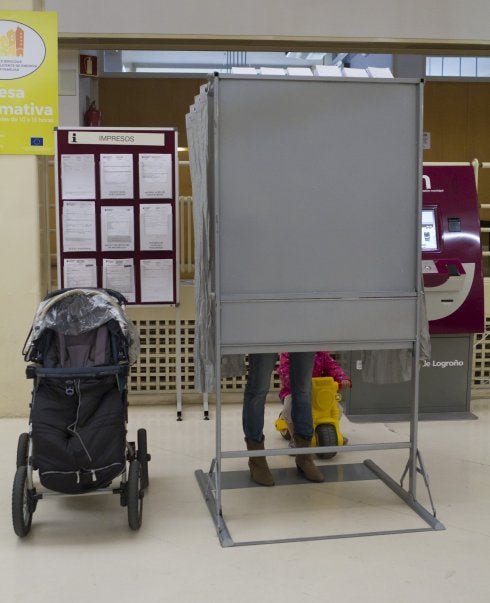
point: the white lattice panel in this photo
(481, 358)
(155, 371)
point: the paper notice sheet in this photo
(119, 275)
(155, 176)
(80, 272)
(117, 227)
(155, 227)
(78, 220)
(116, 176)
(77, 177)
(157, 282)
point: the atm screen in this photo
(429, 230)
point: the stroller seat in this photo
(86, 349)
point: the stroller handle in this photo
(121, 300)
(33, 371)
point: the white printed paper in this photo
(117, 227)
(119, 275)
(77, 176)
(78, 226)
(155, 227)
(116, 176)
(80, 272)
(157, 283)
(155, 176)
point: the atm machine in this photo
(453, 282)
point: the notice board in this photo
(117, 211)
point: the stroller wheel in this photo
(22, 509)
(22, 449)
(326, 436)
(134, 495)
(143, 457)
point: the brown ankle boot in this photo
(304, 462)
(259, 469)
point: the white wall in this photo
(437, 20)
(20, 269)
(20, 290)
(69, 88)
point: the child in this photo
(324, 366)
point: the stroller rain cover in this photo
(81, 345)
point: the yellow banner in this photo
(28, 82)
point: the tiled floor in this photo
(80, 549)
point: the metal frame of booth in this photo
(250, 317)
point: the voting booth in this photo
(308, 212)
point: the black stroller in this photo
(80, 348)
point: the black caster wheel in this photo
(143, 457)
(134, 495)
(22, 507)
(22, 449)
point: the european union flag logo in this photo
(37, 142)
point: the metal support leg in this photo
(208, 488)
(405, 496)
(420, 469)
(210, 484)
(178, 365)
(205, 405)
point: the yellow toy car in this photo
(326, 416)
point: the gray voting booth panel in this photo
(317, 209)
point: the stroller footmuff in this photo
(80, 349)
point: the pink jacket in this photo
(324, 366)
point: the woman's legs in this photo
(300, 373)
(258, 384)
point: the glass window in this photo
(483, 67)
(457, 66)
(468, 66)
(433, 66)
(451, 67)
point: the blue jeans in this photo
(257, 387)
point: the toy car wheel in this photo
(21, 504)
(284, 432)
(326, 436)
(22, 449)
(134, 495)
(143, 457)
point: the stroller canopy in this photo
(77, 311)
